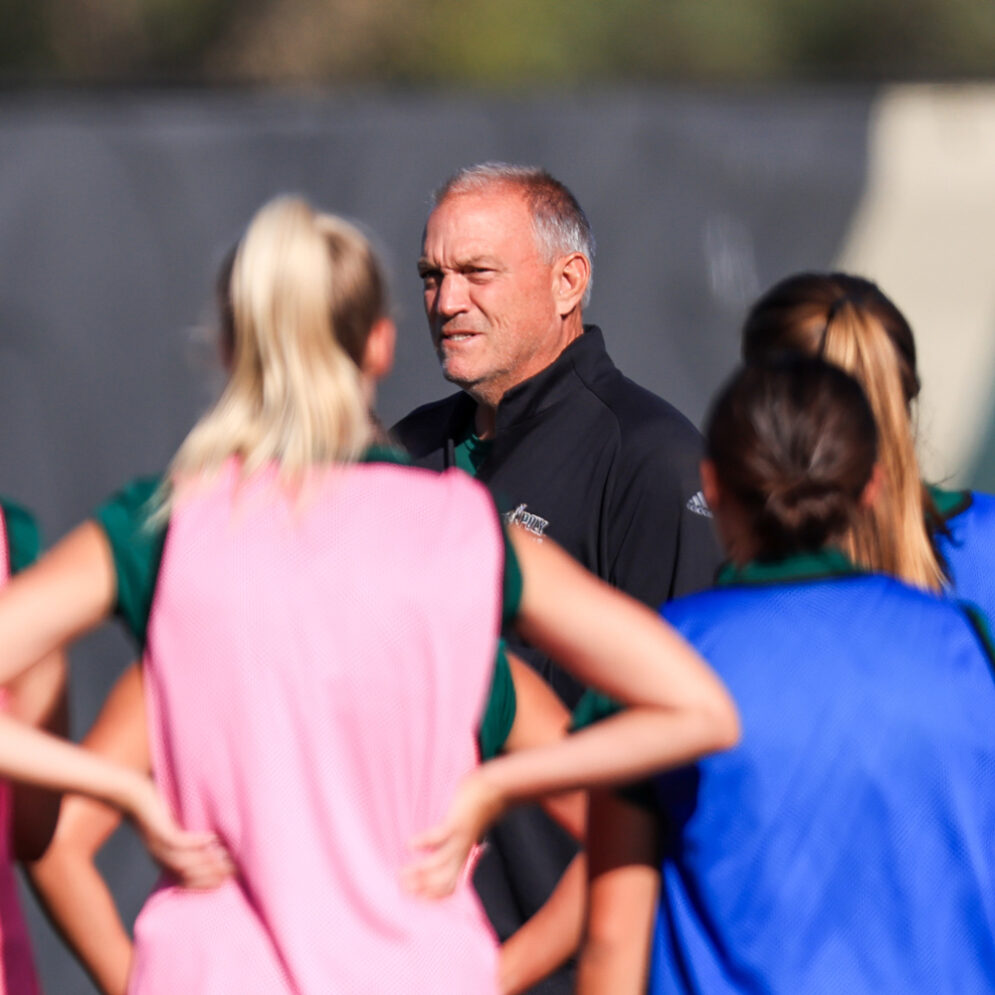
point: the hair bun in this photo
(793, 442)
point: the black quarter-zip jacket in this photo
(601, 465)
(610, 472)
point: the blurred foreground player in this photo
(320, 625)
(927, 535)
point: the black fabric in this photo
(610, 472)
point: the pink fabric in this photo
(18, 971)
(316, 673)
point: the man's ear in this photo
(571, 275)
(872, 489)
(378, 353)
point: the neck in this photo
(573, 328)
(485, 420)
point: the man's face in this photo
(488, 292)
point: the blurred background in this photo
(715, 146)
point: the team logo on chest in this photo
(528, 521)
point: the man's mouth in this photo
(456, 337)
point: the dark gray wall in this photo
(115, 210)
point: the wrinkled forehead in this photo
(495, 220)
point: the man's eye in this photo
(430, 278)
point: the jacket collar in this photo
(824, 563)
(584, 357)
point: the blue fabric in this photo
(848, 844)
(969, 552)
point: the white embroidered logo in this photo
(528, 521)
(699, 505)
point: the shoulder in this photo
(136, 542)
(647, 427)
(953, 504)
(657, 451)
(23, 536)
(449, 499)
(461, 491)
(977, 505)
(968, 525)
(643, 416)
(779, 605)
(129, 506)
(427, 427)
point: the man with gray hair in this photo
(569, 447)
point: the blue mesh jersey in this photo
(968, 547)
(848, 844)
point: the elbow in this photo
(61, 859)
(722, 720)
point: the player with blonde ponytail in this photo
(294, 397)
(848, 321)
(928, 536)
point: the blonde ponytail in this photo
(890, 535)
(304, 291)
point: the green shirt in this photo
(949, 503)
(137, 546)
(23, 537)
(471, 452)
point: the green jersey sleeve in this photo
(23, 537)
(502, 702)
(136, 546)
(499, 712)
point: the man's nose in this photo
(451, 297)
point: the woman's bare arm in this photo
(622, 900)
(69, 591)
(549, 937)
(553, 933)
(28, 754)
(38, 698)
(541, 718)
(66, 878)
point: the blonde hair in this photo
(303, 292)
(849, 321)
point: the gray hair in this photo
(559, 223)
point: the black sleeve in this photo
(661, 538)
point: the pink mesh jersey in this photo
(315, 673)
(18, 972)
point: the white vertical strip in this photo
(925, 231)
